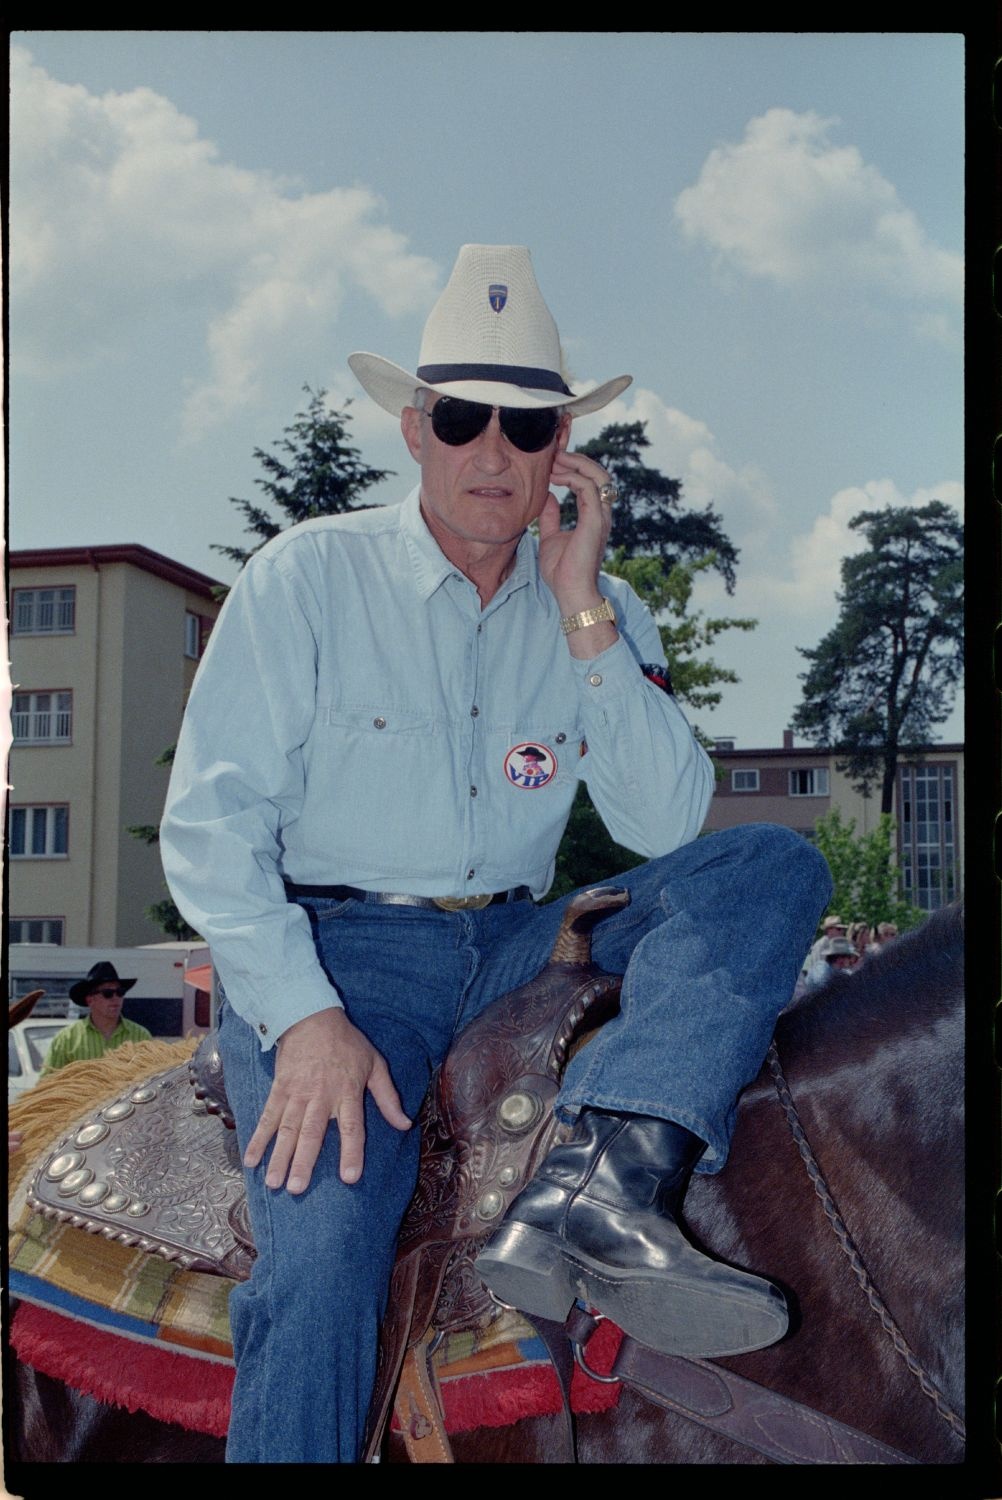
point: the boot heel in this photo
(525, 1268)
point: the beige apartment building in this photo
(104, 644)
(797, 785)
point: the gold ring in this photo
(608, 493)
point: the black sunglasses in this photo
(458, 422)
(109, 994)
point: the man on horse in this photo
(378, 761)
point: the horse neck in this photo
(875, 1066)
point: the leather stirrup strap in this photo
(784, 1430)
(419, 1409)
(560, 1350)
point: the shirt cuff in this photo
(612, 673)
(271, 1007)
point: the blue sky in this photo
(766, 230)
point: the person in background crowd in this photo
(105, 1028)
(836, 953)
(886, 933)
(860, 935)
(832, 926)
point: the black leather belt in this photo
(394, 898)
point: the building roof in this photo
(126, 552)
(799, 752)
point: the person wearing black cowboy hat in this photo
(351, 826)
(105, 1028)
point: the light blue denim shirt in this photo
(359, 719)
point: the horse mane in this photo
(913, 982)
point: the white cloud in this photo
(788, 205)
(119, 208)
(806, 580)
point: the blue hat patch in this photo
(530, 766)
(497, 295)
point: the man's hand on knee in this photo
(323, 1067)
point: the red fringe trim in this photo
(195, 1393)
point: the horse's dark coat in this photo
(874, 1062)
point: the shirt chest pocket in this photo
(371, 748)
(533, 758)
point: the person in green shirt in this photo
(104, 1029)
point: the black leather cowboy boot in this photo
(598, 1222)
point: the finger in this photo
(286, 1141)
(351, 1127)
(310, 1138)
(549, 517)
(383, 1092)
(271, 1118)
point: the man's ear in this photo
(564, 432)
(410, 426)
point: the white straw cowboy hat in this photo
(491, 338)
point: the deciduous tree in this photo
(863, 872)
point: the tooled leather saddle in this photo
(153, 1167)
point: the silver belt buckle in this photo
(462, 903)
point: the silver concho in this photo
(61, 1165)
(115, 1201)
(507, 1176)
(137, 1209)
(490, 1205)
(144, 1095)
(120, 1111)
(75, 1181)
(94, 1193)
(89, 1135)
(518, 1111)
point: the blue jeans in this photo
(710, 946)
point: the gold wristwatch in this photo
(604, 611)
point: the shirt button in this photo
(561, 738)
(595, 679)
(473, 791)
(470, 874)
(474, 711)
(263, 1029)
(381, 723)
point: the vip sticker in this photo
(530, 766)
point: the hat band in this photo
(523, 375)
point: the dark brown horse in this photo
(874, 1063)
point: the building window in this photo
(44, 611)
(36, 930)
(192, 636)
(40, 832)
(927, 835)
(43, 718)
(744, 781)
(813, 783)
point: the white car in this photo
(27, 1044)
